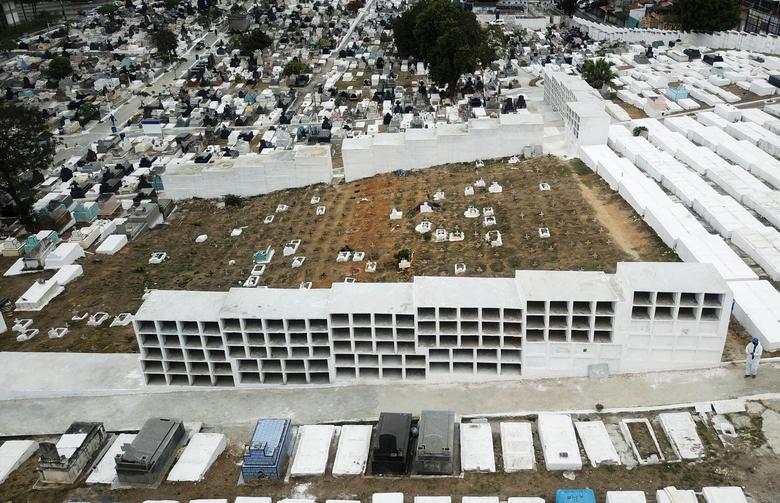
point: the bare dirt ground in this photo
(592, 229)
(748, 461)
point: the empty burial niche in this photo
(362, 319)
(544, 232)
(710, 314)
(339, 320)
(642, 298)
(156, 379)
(274, 325)
(346, 373)
(536, 307)
(176, 367)
(686, 313)
(557, 335)
(534, 335)
(210, 328)
(663, 313)
(426, 313)
(664, 299)
(640, 312)
(713, 300)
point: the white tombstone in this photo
(257, 270)
(358, 256)
(343, 256)
(349, 279)
(404, 264)
(489, 221)
(252, 282)
(58, 333)
(21, 325)
(495, 188)
(121, 320)
(291, 247)
(513, 160)
(158, 257)
(370, 266)
(426, 208)
(488, 211)
(396, 215)
(544, 187)
(480, 183)
(320, 210)
(544, 232)
(306, 285)
(268, 219)
(456, 236)
(314, 200)
(494, 238)
(424, 226)
(471, 212)
(97, 319)
(439, 195)
(479, 164)
(460, 268)
(440, 235)
(202, 238)
(282, 208)
(297, 262)
(468, 191)
(27, 335)
(236, 232)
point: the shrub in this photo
(234, 200)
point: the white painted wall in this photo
(731, 39)
(485, 138)
(249, 174)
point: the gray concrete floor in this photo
(43, 393)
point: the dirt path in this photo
(623, 232)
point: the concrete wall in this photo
(645, 317)
(249, 174)
(740, 40)
(485, 138)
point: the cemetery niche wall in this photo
(645, 317)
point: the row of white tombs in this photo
(399, 444)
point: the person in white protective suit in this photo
(752, 356)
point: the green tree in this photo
(568, 6)
(25, 147)
(7, 45)
(165, 41)
(171, 4)
(255, 40)
(294, 67)
(598, 73)
(59, 67)
(706, 15)
(87, 112)
(448, 39)
(107, 9)
(354, 6)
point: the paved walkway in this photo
(45, 392)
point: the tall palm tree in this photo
(598, 73)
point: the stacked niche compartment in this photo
(279, 351)
(369, 346)
(471, 341)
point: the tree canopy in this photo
(568, 6)
(25, 148)
(107, 9)
(706, 15)
(165, 41)
(354, 6)
(598, 73)
(251, 41)
(448, 39)
(59, 67)
(294, 67)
